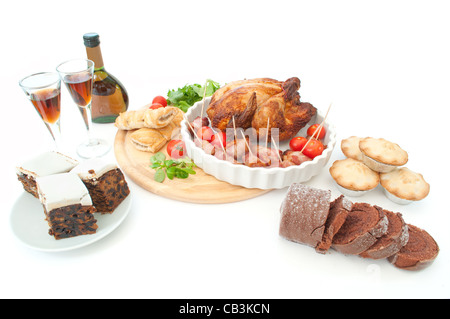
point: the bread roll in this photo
(149, 118)
(148, 140)
(152, 140)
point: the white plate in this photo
(30, 227)
(257, 177)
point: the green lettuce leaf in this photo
(186, 96)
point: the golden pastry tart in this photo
(350, 148)
(381, 155)
(404, 186)
(353, 178)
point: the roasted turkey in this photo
(261, 103)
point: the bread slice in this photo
(419, 252)
(390, 243)
(339, 210)
(362, 228)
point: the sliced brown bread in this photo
(390, 243)
(419, 252)
(309, 217)
(339, 210)
(362, 228)
(304, 212)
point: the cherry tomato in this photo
(176, 148)
(205, 133)
(155, 106)
(320, 131)
(161, 100)
(218, 139)
(313, 148)
(297, 143)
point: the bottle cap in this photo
(91, 40)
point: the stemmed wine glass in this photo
(44, 91)
(77, 75)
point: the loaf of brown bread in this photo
(362, 228)
(304, 213)
(390, 243)
(419, 252)
(309, 217)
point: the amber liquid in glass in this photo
(48, 104)
(80, 88)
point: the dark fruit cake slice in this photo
(44, 164)
(67, 205)
(105, 182)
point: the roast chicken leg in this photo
(261, 103)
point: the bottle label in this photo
(108, 105)
(95, 55)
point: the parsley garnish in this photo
(172, 168)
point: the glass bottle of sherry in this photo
(109, 96)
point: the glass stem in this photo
(55, 131)
(87, 117)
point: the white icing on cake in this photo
(64, 189)
(47, 163)
(92, 169)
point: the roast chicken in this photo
(263, 104)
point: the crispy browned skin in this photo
(259, 102)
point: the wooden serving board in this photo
(198, 188)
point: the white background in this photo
(383, 64)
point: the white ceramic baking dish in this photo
(256, 177)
